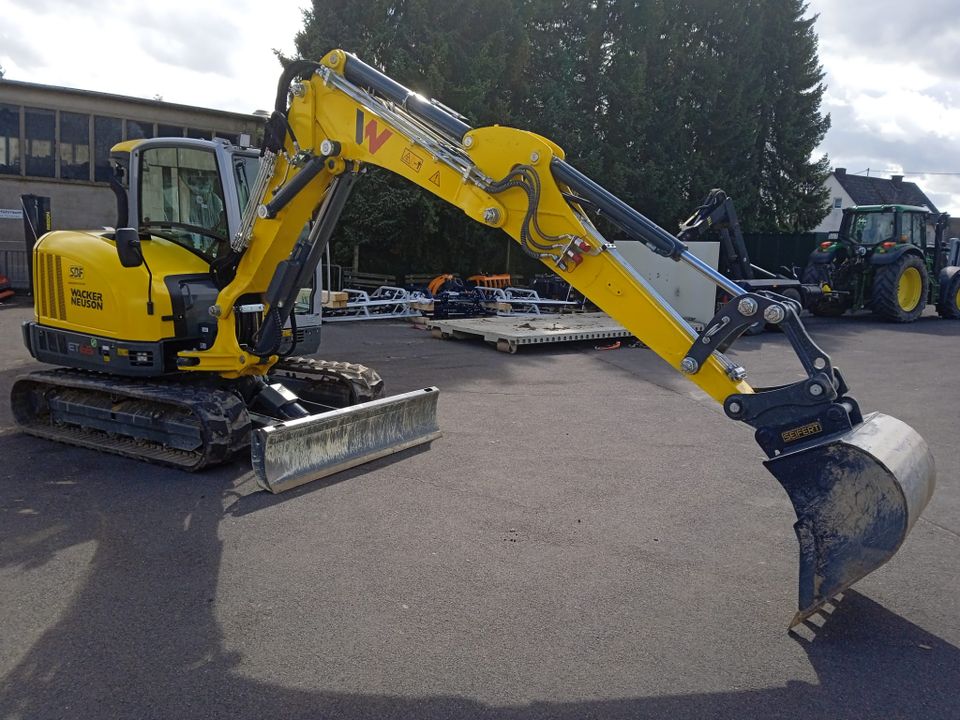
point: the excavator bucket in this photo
(856, 495)
(292, 453)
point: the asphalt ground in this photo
(591, 538)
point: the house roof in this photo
(882, 191)
(95, 96)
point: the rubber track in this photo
(220, 415)
(365, 382)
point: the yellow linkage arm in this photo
(365, 129)
(322, 110)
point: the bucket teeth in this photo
(292, 453)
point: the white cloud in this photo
(213, 54)
(891, 91)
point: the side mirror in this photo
(128, 247)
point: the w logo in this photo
(370, 131)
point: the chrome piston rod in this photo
(636, 225)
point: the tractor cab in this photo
(882, 227)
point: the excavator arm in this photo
(857, 483)
(502, 177)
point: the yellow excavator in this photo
(170, 329)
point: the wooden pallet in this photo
(334, 299)
(509, 333)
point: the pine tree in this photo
(659, 101)
(792, 195)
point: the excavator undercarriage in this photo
(190, 424)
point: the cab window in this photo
(181, 199)
(872, 228)
(245, 168)
(914, 229)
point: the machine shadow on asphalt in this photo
(123, 647)
(248, 498)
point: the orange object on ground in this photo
(491, 281)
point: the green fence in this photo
(771, 250)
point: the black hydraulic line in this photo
(743, 258)
(359, 73)
(329, 218)
(277, 126)
(621, 214)
(292, 273)
(295, 68)
(307, 173)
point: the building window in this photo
(137, 129)
(9, 140)
(74, 146)
(199, 134)
(837, 203)
(169, 131)
(40, 156)
(107, 132)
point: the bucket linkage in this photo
(857, 483)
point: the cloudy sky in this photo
(893, 78)
(212, 53)
(893, 68)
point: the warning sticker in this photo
(435, 178)
(411, 160)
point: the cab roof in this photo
(892, 207)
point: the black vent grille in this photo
(50, 292)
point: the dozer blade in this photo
(856, 495)
(294, 452)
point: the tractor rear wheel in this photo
(950, 307)
(900, 289)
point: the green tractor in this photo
(881, 259)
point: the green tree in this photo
(791, 193)
(659, 101)
(465, 54)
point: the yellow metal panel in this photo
(81, 286)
